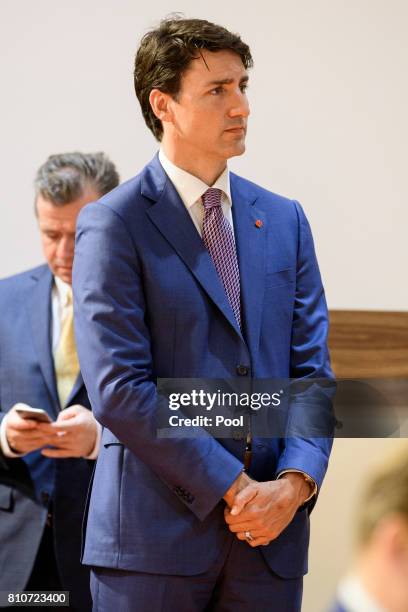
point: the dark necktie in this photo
(219, 240)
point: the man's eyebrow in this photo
(244, 79)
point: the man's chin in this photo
(237, 149)
(64, 275)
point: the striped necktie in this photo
(219, 241)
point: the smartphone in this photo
(35, 414)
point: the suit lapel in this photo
(40, 313)
(39, 310)
(173, 221)
(250, 241)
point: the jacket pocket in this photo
(108, 439)
(280, 277)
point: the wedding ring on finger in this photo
(248, 536)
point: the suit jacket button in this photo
(242, 370)
(45, 498)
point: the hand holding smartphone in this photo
(34, 414)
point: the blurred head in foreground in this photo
(380, 577)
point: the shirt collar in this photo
(354, 597)
(189, 187)
(63, 290)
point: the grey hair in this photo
(63, 177)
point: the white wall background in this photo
(329, 124)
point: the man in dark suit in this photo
(45, 468)
(189, 271)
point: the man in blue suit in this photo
(189, 271)
(45, 469)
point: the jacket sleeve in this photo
(114, 349)
(310, 424)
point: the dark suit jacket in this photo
(149, 304)
(30, 484)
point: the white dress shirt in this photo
(352, 595)
(190, 189)
(59, 302)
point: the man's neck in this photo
(205, 168)
(379, 580)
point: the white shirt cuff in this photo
(4, 445)
(307, 478)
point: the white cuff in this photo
(308, 479)
(4, 445)
(95, 450)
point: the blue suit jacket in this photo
(29, 484)
(149, 304)
(336, 606)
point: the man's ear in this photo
(161, 105)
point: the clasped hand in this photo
(264, 508)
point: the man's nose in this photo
(240, 105)
(65, 248)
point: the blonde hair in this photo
(385, 494)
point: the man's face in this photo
(211, 111)
(57, 228)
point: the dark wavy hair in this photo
(165, 53)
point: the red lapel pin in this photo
(258, 223)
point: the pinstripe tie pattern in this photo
(219, 241)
